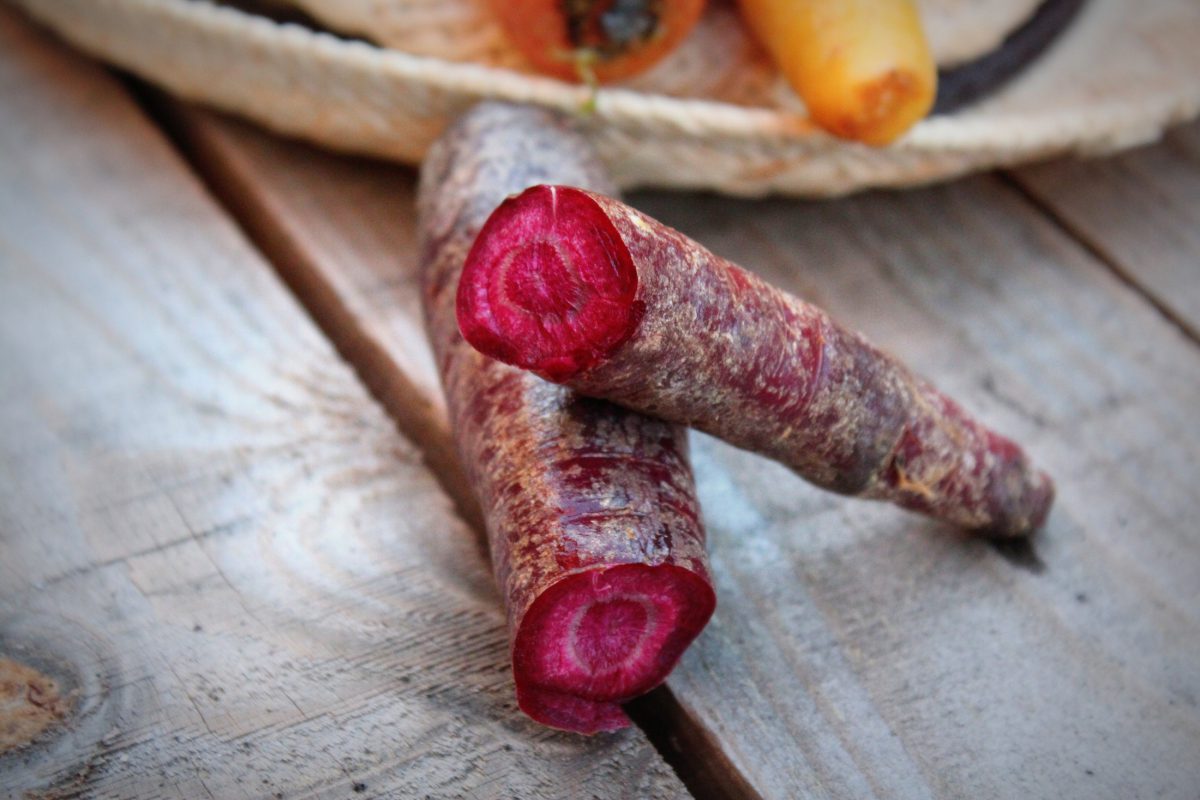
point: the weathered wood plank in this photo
(934, 667)
(207, 528)
(1140, 211)
(858, 651)
(361, 229)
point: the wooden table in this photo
(232, 532)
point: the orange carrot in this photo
(863, 67)
(596, 40)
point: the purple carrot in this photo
(591, 510)
(585, 291)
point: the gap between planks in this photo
(686, 745)
(418, 420)
(1127, 275)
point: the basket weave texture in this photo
(712, 116)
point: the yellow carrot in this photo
(863, 67)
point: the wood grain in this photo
(858, 651)
(367, 226)
(928, 665)
(1139, 212)
(210, 536)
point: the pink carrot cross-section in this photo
(591, 511)
(583, 290)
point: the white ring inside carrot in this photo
(598, 638)
(549, 271)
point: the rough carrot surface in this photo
(591, 511)
(583, 290)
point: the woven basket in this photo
(713, 116)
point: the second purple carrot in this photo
(586, 291)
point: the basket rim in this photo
(781, 148)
